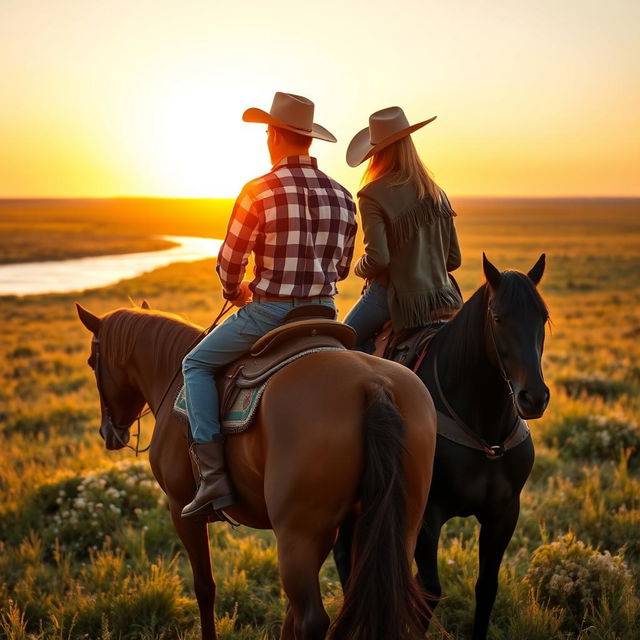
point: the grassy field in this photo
(35, 230)
(86, 545)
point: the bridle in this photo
(492, 452)
(118, 429)
(503, 371)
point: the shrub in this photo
(249, 582)
(594, 437)
(601, 502)
(569, 575)
(594, 385)
(66, 418)
(21, 351)
(81, 511)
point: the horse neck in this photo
(155, 364)
(471, 383)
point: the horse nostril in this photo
(533, 405)
(524, 399)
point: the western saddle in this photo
(306, 330)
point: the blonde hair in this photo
(401, 161)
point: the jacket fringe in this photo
(425, 211)
(417, 309)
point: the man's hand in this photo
(244, 296)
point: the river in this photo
(78, 274)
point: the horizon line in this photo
(474, 196)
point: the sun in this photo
(201, 147)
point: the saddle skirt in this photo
(408, 346)
(242, 384)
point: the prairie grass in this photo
(71, 570)
(34, 230)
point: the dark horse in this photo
(488, 372)
(334, 429)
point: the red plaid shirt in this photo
(301, 226)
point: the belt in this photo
(258, 297)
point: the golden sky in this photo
(141, 97)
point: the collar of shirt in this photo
(297, 161)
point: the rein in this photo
(226, 307)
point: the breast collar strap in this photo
(455, 429)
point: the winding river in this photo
(78, 274)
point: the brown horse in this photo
(335, 429)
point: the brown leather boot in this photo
(214, 489)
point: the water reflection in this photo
(62, 276)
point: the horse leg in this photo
(287, 632)
(195, 538)
(300, 556)
(426, 557)
(494, 538)
(343, 547)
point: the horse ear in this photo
(490, 272)
(145, 305)
(538, 269)
(88, 319)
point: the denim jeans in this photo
(368, 315)
(226, 343)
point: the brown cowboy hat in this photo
(385, 127)
(290, 112)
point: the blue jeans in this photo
(368, 315)
(226, 343)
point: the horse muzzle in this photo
(532, 404)
(114, 437)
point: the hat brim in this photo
(258, 115)
(360, 147)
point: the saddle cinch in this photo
(308, 329)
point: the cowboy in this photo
(300, 225)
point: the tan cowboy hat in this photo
(290, 112)
(385, 127)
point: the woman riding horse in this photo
(409, 235)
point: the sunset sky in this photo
(133, 97)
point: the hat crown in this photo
(296, 111)
(386, 123)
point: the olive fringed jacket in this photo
(410, 246)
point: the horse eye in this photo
(91, 362)
(497, 319)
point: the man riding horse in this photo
(300, 225)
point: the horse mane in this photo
(122, 328)
(461, 339)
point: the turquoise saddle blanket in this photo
(240, 414)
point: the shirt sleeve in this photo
(376, 248)
(454, 258)
(343, 265)
(238, 243)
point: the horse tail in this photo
(382, 599)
